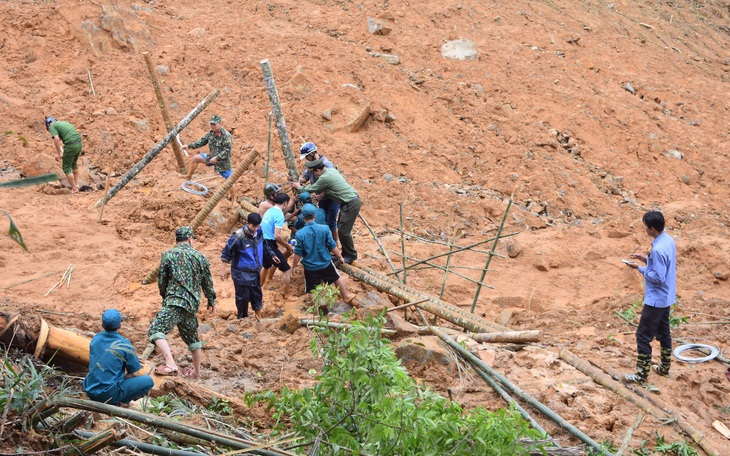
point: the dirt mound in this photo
(586, 114)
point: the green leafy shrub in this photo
(366, 403)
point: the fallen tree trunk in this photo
(291, 163)
(134, 170)
(208, 208)
(509, 336)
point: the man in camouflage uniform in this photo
(220, 144)
(183, 272)
(68, 149)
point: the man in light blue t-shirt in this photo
(271, 225)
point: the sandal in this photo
(165, 370)
(351, 299)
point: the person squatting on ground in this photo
(115, 373)
(183, 272)
(272, 224)
(220, 144)
(331, 182)
(68, 149)
(315, 248)
(309, 152)
(244, 252)
(660, 293)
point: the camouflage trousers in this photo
(170, 316)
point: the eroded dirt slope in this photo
(587, 113)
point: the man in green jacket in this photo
(331, 182)
(68, 149)
(183, 272)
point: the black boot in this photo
(643, 364)
(666, 361)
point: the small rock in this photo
(380, 115)
(140, 125)
(327, 114)
(389, 177)
(403, 180)
(721, 275)
(686, 179)
(204, 328)
(390, 58)
(630, 88)
(377, 28)
(459, 50)
(163, 69)
(247, 335)
(673, 153)
(573, 38)
(390, 118)
(514, 248)
(541, 267)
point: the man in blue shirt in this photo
(272, 224)
(245, 252)
(115, 375)
(314, 249)
(660, 293)
(320, 217)
(309, 152)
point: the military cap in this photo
(184, 233)
(313, 163)
(215, 119)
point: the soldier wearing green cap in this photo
(183, 272)
(220, 143)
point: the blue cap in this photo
(309, 210)
(305, 197)
(111, 319)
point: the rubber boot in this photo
(666, 361)
(643, 364)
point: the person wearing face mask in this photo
(244, 252)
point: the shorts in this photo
(329, 275)
(283, 265)
(71, 153)
(170, 316)
(226, 174)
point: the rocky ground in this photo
(586, 114)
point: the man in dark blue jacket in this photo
(245, 252)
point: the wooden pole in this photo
(456, 250)
(447, 312)
(100, 441)
(447, 271)
(158, 148)
(494, 327)
(268, 153)
(512, 337)
(514, 389)
(165, 114)
(165, 423)
(431, 241)
(404, 306)
(291, 164)
(491, 254)
(402, 244)
(605, 380)
(380, 244)
(629, 432)
(208, 208)
(330, 324)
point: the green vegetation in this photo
(630, 314)
(365, 403)
(14, 232)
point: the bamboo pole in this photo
(392, 309)
(458, 250)
(491, 254)
(134, 170)
(268, 153)
(447, 271)
(514, 389)
(448, 312)
(291, 164)
(644, 405)
(430, 241)
(402, 245)
(98, 442)
(33, 279)
(143, 447)
(69, 424)
(629, 432)
(165, 114)
(165, 423)
(208, 208)
(461, 312)
(519, 337)
(380, 244)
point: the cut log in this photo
(510, 336)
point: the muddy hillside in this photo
(586, 114)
